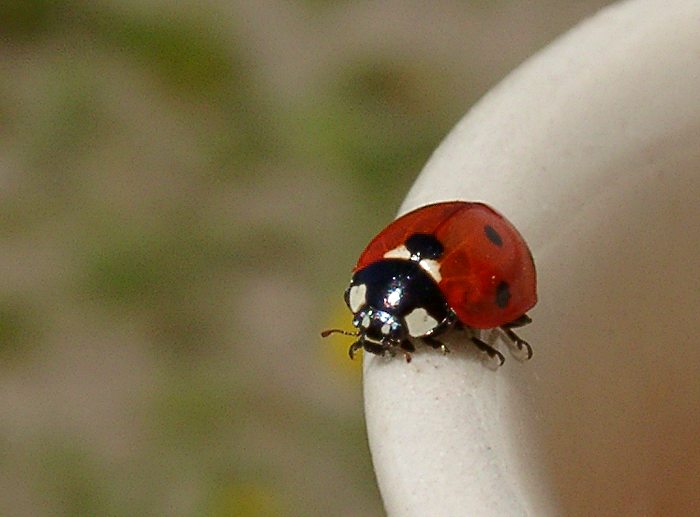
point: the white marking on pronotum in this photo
(398, 253)
(357, 297)
(385, 329)
(431, 266)
(365, 321)
(419, 322)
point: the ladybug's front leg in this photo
(380, 349)
(374, 348)
(357, 345)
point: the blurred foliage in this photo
(377, 118)
(26, 18)
(182, 54)
(246, 500)
(20, 328)
(72, 481)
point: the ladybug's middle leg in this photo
(407, 347)
(436, 343)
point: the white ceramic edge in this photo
(448, 435)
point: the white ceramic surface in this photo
(592, 149)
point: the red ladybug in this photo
(446, 265)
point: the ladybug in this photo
(447, 265)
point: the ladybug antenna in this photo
(328, 332)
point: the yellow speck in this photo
(247, 500)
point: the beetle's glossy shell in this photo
(487, 273)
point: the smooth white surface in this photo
(592, 149)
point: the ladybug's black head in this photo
(394, 300)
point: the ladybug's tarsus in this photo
(519, 342)
(490, 351)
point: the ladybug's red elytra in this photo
(447, 265)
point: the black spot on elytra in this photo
(502, 294)
(424, 246)
(493, 235)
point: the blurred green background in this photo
(184, 187)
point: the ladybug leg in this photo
(450, 322)
(354, 348)
(435, 343)
(374, 348)
(520, 322)
(407, 347)
(377, 349)
(491, 351)
(519, 342)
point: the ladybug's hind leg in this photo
(519, 342)
(490, 351)
(519, 322)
